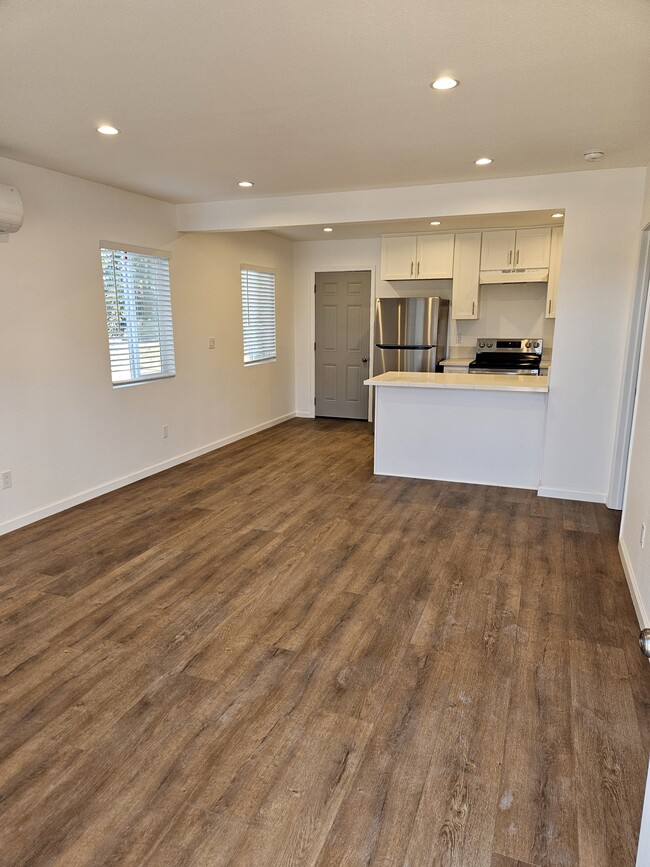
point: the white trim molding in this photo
(566, 494)
(114, 484)
(635, 593)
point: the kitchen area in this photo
(461, 371)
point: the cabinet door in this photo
(498, 250)
(554, 272)
(435, 257)
(532, 248)
(398, 257)
(464, 292)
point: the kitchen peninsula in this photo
(482, 429)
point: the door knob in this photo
(644, 642)
(364, 360)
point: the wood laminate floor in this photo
(269, 656)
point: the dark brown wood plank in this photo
(268, 655)
(609, 755)
(536, 818)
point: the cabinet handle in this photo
(517, 258)
(417, 270)
(549, 304)
(474, 307)
(509, 257)
(411, 269)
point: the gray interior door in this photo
(342, 343)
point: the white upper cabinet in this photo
(554, 271)
(435, 257)
(512, 251)
(532, 248)
(398, 257)
(498, 250)
(464, 293)
(417, 257)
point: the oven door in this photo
(507, 371)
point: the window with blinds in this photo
(258, 315)
(138, 314)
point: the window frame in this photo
(164, 310)
(245, 268)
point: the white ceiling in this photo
(350, 231)
(309, 96)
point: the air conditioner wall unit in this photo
(11, 209)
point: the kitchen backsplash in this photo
(506, 310)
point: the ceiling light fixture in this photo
(105, 129)
(483, 161)
(328, 229)
(593, 156)
(435, 222)
(557, 216)
(444, 83)
(246, 184)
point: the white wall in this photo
(636, 509)
(601, 242)
(65, 433)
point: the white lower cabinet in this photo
(464, 293)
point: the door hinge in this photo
(314, 346)
(314, 288)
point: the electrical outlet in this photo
(642, 536)
(6, 480)
(212, 343)
(165, 431)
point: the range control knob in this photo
(481, 344)
(537, 344)
(528, 344)
(490, 344)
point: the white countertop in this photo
(459, 362)
(471, 381)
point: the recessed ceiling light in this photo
(593, 156)
(328, 229)
(105, 129)
(557, 216)
(444, 83)
(246, 184)
(483, 161)
(435, 222)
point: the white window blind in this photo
(258, 314)
(138, 314)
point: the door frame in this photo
(312, 328)
(620, 459)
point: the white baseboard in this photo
(301, 414)
(567, 494)
(114, 484)
(635, 593)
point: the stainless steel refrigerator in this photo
(410, 334)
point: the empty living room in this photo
(324, 424)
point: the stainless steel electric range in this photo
(516, 356)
